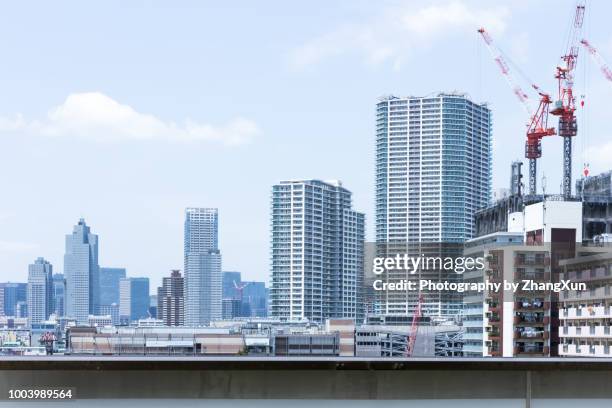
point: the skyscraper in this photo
(109, 285)
(433, 172)
(254, 299)
(133, 299)
(203, 282)
(59, 295)
(81, 271)
(40, 291)
(230, 279)
(317, 251)
(170, 300)
(12, 293)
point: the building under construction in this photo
(594, 192)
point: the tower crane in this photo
(537, 125)
(565, 106)
(240, 288)
(605, 69)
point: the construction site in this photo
(595, 192)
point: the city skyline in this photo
(201, 118)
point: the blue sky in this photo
(125, 113)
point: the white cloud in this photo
(95, 116)
(11, 246)
(398, 31)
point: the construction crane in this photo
(537, 125)
(240, 287)
(414, 328)
(565, 106)
(605, 69)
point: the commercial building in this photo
(112, 311)
(40, 291)
(100, 320)
(82, 273)
(59, 295)
(433, 172)
(203, 279)
(231, 280)
(231, 308)
(109, 285)
(11, 293)
(243, 298)
(317, 252)
(133, 299)
(171, 301)
(254, 299)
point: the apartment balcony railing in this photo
(589, 312)
(585, 331)
(584, 350)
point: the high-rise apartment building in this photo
(433, 172)
(40, 291)
(171, 301)
(81, 271)
(133, 299)
(109, 285)
(317, 252)
(203, 279)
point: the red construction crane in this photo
(565, 106)
(414, 328)
(537, 126)
(605, 69)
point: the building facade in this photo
(133, 299)
(11, 293)
(109, 285)
(171, 301)
(40, 291)
(202, 257)
(586, 315)
(59, 295)
(317, 252)
(81, 271)
(433, 171)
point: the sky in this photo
(126, 113)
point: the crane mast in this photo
(565, 106)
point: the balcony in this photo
(531, 306)
(598, 293)
(531, 335)
(585, 331)
(590, 312)
(584, 350)
(531, 350)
